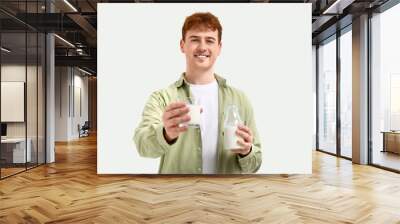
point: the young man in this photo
(186, 150)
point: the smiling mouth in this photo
(201, 56)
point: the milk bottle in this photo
(232, 120)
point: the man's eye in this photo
(210, 41)
(195, 40)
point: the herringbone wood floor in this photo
(70, 191)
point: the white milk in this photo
(194, 113)
(230, 138)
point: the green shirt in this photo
(184, 156)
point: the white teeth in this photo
(201, 56)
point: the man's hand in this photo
(245, 133)
(174, 115)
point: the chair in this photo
(84, 130)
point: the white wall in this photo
(12, 73)
(62, 81)
(68, 83)
(270, 60)
(82, 82)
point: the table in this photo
(15, 148)
(391, 141)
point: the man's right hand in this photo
(174, 115)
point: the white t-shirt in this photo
(207, 96)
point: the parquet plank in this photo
(70, 191)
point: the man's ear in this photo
(181, 45)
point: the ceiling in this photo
(76, 22)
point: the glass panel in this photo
(7, 23)
(314, 73)
(23, 88)
(346, 94)
(386, 89)
(327, 97)
(13, 89)
(41, 98)
(31, 100)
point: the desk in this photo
(15, 148)
(391, 141)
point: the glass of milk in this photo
(232, 120)
(194, 111)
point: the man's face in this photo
(201, 48)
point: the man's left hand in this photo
(246, 142)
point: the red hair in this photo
(202, 21)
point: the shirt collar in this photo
(221, 81)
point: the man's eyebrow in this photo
(194, 36)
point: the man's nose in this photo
(202, 45)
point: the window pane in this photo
(14, 153)
(327, 97)
(346, 94)
(386, 89)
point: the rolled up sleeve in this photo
(251, 162)
(149, 138)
